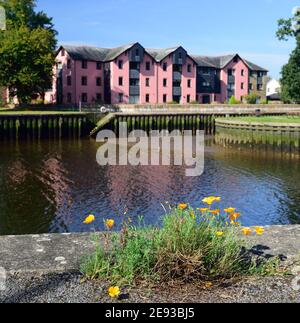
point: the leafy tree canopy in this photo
(26, 50)
(290, 74)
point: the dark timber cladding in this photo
(165, 121)
(43, 126)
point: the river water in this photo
(52, 185)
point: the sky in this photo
(204, 27)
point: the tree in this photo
(26, 50)
(290, 74)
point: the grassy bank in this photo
(203, 245)
(265, 119)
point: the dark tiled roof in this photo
(255, 67)
(160, 54)
(108, 54)
(221, 61)
(95, 53)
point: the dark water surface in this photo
(51, 186)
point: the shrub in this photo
(194, 102)
(265, 101)
(191, 245)
(252, 98)
(173, 102)
(233, 100)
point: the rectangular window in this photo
(259, 87)
(242, 86)
(147, 82)
(243, 72)
(84, 97)
(250, 86)
(165, 67)
(147, 98)
(84, 65)
(98, 66)
(165, 83)
(189, 68)
(120, 64)
(188, 98)
(165, 98)
(84, 81)
(69, 64)
(63, 52)
(69, 97)
(134, 82)
(189, 83)
(120, 81)
(120, 97)
(98, 81)
(69, 80)
(98, 97)
(148, 66)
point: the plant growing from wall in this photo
(252, 98)
(233, 101)
(290, 74)
(27, 49)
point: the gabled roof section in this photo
(90, 53)
(162, 53)
(255, 67)
(220, 62)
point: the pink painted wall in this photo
(239, 79)
(76, 89)
(168, 74)
(184, 82)
(115, 74)
(91, 73)
(152, 75)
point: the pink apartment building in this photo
(132, 74)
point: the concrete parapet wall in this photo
(52, 253)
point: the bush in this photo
(173, 102)
(233, 100)
(191, 245)
(265, 101)
(252, 98)
(194, 102)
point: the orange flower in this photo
(246, 231)
(215, 212)
(110, 223)
(210, 200)
(182, 206)
(234, 216)
(229, 210)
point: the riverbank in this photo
(45, 268)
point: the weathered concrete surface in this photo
(54, 253)
(48, 253)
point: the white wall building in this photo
(273, 90)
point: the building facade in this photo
(273, 90)
(132, 74)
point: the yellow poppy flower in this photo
(229, 210)
(220, 234)
(109, 223)
(210, 200)
(246, 231)
(182, 206)
(259, 231)
(90, 219)
(114, 291)
(235, 223)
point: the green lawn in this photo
(273, 119)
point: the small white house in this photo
(273, 90)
